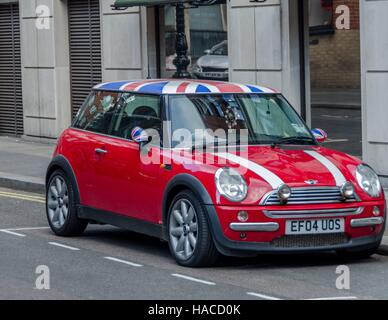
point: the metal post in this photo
(181, 61)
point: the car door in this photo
(128, 186)
(92, 122)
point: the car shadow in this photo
(155, 247)
(126, 239)
(279, 261)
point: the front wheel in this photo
(60, 207)
(190, 238)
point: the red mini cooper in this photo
(212, 168)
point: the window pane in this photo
(97, 112)
(206, 33)
(136, 110)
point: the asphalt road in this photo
(343, 127)
(108, 263)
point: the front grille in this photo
(310, 241)
(212, 69)
(312, 195)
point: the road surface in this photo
(108, 263)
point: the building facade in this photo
(53, 51)
(374, 84)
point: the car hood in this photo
(214, 61)
(296, 166)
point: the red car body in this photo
(116, 187)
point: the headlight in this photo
(197, 68)
(368, 180)
(284, 193)
(347, 190)
(231, 184)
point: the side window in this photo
(97, 112)
(136, 110)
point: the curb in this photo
(22, 183)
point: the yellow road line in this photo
(22, 197)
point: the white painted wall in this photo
(45, 70)
(124, 42)
(45, 61)
(374, 82)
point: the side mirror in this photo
(140, 136)
(319, 135)
(208, 51)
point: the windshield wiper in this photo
(217, 144)
(293, 140)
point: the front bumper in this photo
(263, 233)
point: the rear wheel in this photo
(61, 208)
(190, 239)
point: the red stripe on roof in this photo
(182, 87)
(228, 87)
(134, 85)
(222, 86)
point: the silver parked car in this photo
(214, 64)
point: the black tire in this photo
(205, 252)
(359, 255)
(73, 226)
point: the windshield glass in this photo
(220, 50)
(259, 118)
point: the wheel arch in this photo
(59, 162)
(179, 183)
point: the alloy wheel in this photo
(58, 202)
(183, 229)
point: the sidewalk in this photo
(336, 98)
(23, 164)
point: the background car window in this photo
(136, 110)
(97, 112)
(220, 50)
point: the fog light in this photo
(376, 211)
(347, 190)
(284, 193)
(242, 216)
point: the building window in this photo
(206, 33)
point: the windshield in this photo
(258, 118)
(220, 50)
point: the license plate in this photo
(315, 226)
(213, 75)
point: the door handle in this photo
(101, 151)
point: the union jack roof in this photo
(182, 86)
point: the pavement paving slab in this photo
(336, 98)
(23, 164)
